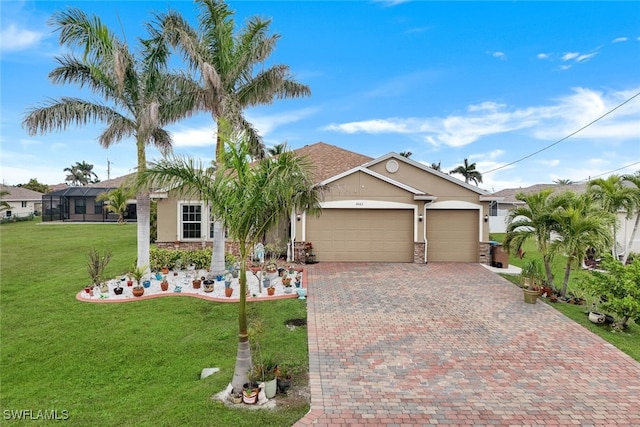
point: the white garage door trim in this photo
(365, 204)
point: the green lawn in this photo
(130, 364)
(627, 341)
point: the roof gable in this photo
(374, 174)
(328, 160)
(19, 193)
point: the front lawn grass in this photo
(128, 364)
(628, 341)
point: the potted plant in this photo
(208, 285)
(95, 268)
(532, 278)
(251, 389)
(271, 291)
(118, 289)
(283, 378)
(164, 285)
(196, 282)
(137, 274)
(267, 373)
(228, 292)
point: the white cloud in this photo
(545, 122)
(550, 163)
(195, 137)
(586, 57)
(15, 38)
(265, 124)
(570, 55)
(542, 56)
(499, 55)
(619, 39)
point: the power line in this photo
(565, 138)
(611, 171)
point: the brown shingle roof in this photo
(329, 160)
(509, 194)
(19, 193)
(115, 182)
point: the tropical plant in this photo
(469, 172)
(563, 181)
(618, 288)
(138, 273)
(406, 154)
(138, 97)
(250, 198)
(436, 166)
(613, 196)
(277, 149)
(117, 201)
(87, 172)
(74, 176)
(634, 181)
(4, 205)
(226, 61)
(532, 272)
(533, 220)
(97, 264)
(34, 185)
(580, 225)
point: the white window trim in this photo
(204, 221)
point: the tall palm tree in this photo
(233, 73)
(117, 201)
(249, 199)
(436, 166)
(533, 220)
(406, 154)
(87, 171)
(74, 176)
(563, 181)
(137, 97)
(580, 224)
(634, 181)
(613, 197)
(277, 149)
(468, 170)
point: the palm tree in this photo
(580, 224)
(436, 166)
(613, 196)
(406, 154)
(534, 220)
(469, 172)
(138, 97)
(3, 204)
(277, 149)
(117, 201)
(86, 169)
(563, 181)
(634, 180)
(226, 61)
(249, 199)
(75, 176)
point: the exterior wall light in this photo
(420, 217)
(486, 218)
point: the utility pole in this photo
(108, 169)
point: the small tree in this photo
(618, 288)
(117, 201)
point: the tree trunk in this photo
(217, 256)
(548, 272)
(567, 273)
(633, 236)
(143, 212)
(243, 357)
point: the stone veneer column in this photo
(485, 253)
(418, 252)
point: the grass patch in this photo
(628, 341)
(131, 364)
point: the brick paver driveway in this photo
(454, 344)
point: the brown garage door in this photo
(384, 235)
(452, 235)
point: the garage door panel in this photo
(452, 235)
(362, 235)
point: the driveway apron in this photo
(454, 344)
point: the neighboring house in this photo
(79, 204)
(22, 201)
(388, 209)
(506, 200)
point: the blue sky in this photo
(489, 81)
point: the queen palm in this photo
(533, 220)
(613, 196)
(468, 171)
(86, 169)
(232, 73)
(580, 224)
(249, 198)
(75, 176)
(137, 97)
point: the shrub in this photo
(159, 258)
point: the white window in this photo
(191, 220)
(24, 204)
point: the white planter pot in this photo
(597, 317)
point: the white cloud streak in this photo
(545, 122)
(14, 38)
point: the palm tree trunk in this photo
(243, 357)
(143, 212)
(217, 256)
(547, 269)
(567, 273)
(633, 236)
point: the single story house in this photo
(80, 204)
(387, 209)
(506, 200)
(22, 202)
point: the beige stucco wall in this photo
(360, 185)
(168, 219)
